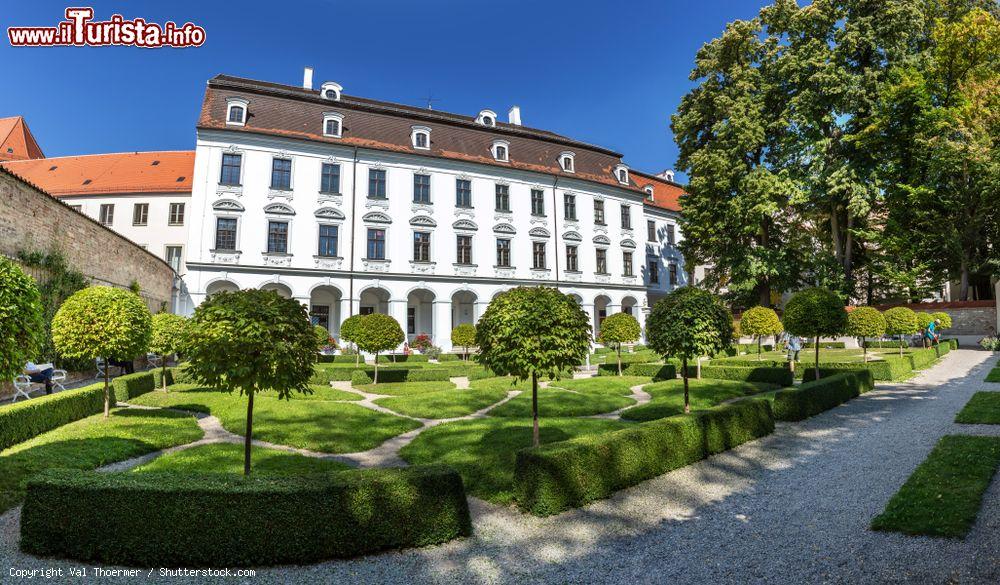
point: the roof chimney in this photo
(514, 116)
(307, 78)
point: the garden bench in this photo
(23, 383)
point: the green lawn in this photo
(406, 388)
(668, 396)
(228, 458)
(807, 356)
(319, 392)
(943, 495)
(983, 408)
(483, 450)
(618, 385)
(557, 402)
(90, 443)
(317, 425)
(500, 383)
(994, 375)
(443, 404)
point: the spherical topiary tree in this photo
(924, 321)
(865, 322)
(377, 333)
(251, 341)
(349, 331)
(167, 336)
(21, 321)
(760, 321)
(463, 336)
(323, 337)
(527, 332)
(689, 323)
(102, 322)
(618, 329)
(814, 313)
(944, 318)
(900, 321)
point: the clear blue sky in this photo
(605, 72)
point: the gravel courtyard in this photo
(793, 507)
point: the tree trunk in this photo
(900, 345)
(848, 254)
(864, 349)
(248, 439)
(163, 373)
(758, 347)
(619, 359)
(687, 399)
(964, 283)
(357, 355)
(816, 365)
(375, 381)
(838, 252)
(107, 387)
(535, 439)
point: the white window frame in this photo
(649, 192)
(277, 217)
(619, 169)
(170, 207)
(495, 150)
(330, 87)
(416, 131)
(239, 230)
(237, 102)
(166, 253)
(327, 116)
(487, 118)
(327, 223)
(571, 159)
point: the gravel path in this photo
(793, 507)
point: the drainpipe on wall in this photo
(354, 221)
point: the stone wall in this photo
(974, 318)
(32, 220)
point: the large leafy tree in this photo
(251, 341)
(900, 321)
(689, 323)
(527, 332)
(167, 337)
(618, 329)
(758, 322)
(21, 323)
(102, 322)
(376, 333)
(813, 313)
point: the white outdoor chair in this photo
(58, 377)
(22, 385)
(100, 366)
(154, 360)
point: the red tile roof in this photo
(666, 194)
(131, 172)
(16, 141)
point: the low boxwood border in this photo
(825, 345)
(198, 520)
(132, 385)
(811, 398)
(654, 371)
(889, 368)
(388, 374)
(24, 420)
(779, 376)
(413, 358)
(569, 474)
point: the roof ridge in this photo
(104, 154)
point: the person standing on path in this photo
(794, 347)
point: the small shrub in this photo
(815, 313)
(760, 322)
(389, 374)
(655, 371)
(23, 420)
(137, 384)
(377, 333)
(825, 345)
(21, 324)
(890, 368)
(422, 343)
(781, 376)
(463, 336)
(413, 358)
(900, 321)
(617, 329)
(812, 398)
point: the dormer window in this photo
(420, 137)
(331, 91)
(487, 118)
(649, 192)
(501, 150)
(333, 124)
(236, 111)
(621, 173)
(566, 162)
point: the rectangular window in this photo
(538, 255)
(672, 271)
(376, 184)
(174, 257)
(503, 198)
(626, 217)
(464, 249)
(176, 215)
(572, 261)
(651, 231)
(281, 174)
(654, 272)
(421, 188)
(366, 310)
(320, 315)
(328, 240)
(503, 253)
(225, 233)
(670, 234)
(599, 212)
(107, 213)
(602, 261)
(421, 246)
(463, 193)
(626, 263)
(537, 202)
(77, 208)
(376, 244)
(231, 169)
(277, 237)
(411, 320)
(140, 214)
(569, 206)
(330, 178)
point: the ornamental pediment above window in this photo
(279, 209)
(376, 217)
(602, 240)
(227, 205)
(539, 233)
(465, 225)
(628, 244)
(421, 221)
(572, 237)
(329, 213)
(504, 228)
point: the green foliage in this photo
(377, 333)
(689, 323)
(760, 321)
(444, 403)
(668, 397)
(943, 495)
(23, 420)
(226, 458)
(350, 327)
(812, 398)
(412, 358)
(900, 321)
(59, 283)
(982, 409)
(323, 338)
(21, 324)
(944, 318)
(865, 322)
(132, 385)
(815, 312)
(170, 519)
(654, 371)
(889, 368)
(923, 320)
(463, 336)
(168, 333)
(781, 376)
(573, 473)
(618, 329)
(390, 375)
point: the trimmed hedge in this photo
(337, 359)
(825, 345)
(478, 372)
(569, 474)
(812, 398)
(952, 343)
(749, 363)
(403, 358)
(24, 420)
(752, 347)
(449, 357)
(199, 520)
(888, 369)
(132, 385)
(780, 376)
(654, 371)
(386, 374)
(886, 344)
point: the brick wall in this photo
(977, 318)
(32, 220)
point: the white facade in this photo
(429, 296)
